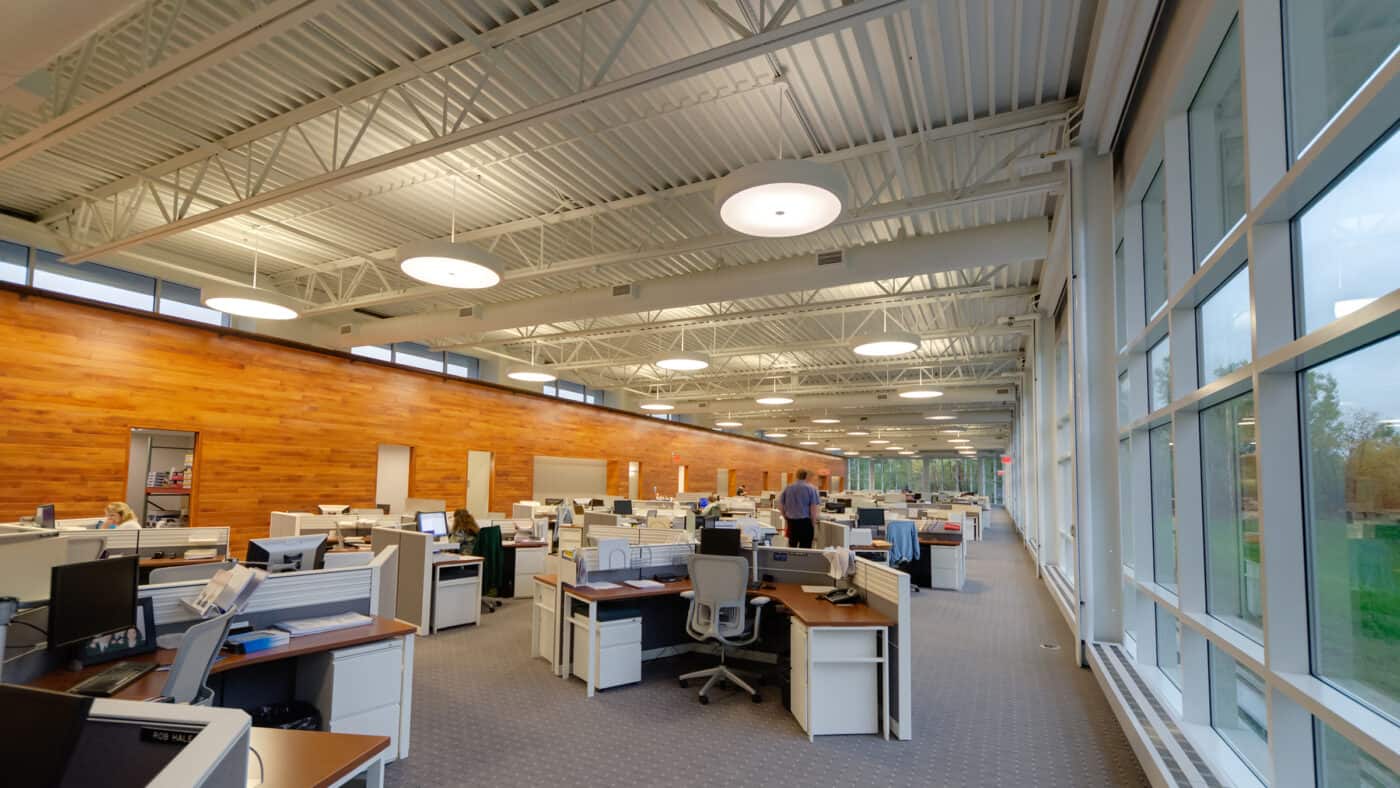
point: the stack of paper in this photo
(643, 583)
(313, 626)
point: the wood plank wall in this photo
(285, 428)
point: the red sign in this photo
(675, 458)
(1001, 473)
(1006, 459)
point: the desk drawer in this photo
(383, 721)
(529, 560)
(351, 681)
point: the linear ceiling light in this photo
(249, 301)
(781, 199)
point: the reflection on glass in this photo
(1159, 449)
(1154, 244)
(378, 352)
(1125, 501)
(1341, 764)
(1333, 47)
(1125, 392)
(95, 282)
(1168, 645)
(1349, 240)
(1159, 375)
(1230, 487)
(1129, 610)
(1216, 121)
(1239, 709)
(1224, 328)
(1351, 417)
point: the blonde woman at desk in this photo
(120, 516)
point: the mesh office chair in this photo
(178, 574)
(189, 675)
(718, 612)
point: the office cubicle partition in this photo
(887, 590)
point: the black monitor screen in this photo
(720, 541)
(91, 598)
(45, 516)
(434, 523)
(869, 517)
(622, 506)
(553, 501)
(595, 501)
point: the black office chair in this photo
(493, 564)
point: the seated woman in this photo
(120, 516)
(464, 530)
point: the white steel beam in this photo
(788, 35)
(991, 245)
(778, 349)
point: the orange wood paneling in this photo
(284, 428)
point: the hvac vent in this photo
(466, 311)
(1003, 391)
(880, 396)
(622, 290)
(347, 329)
(831, 258)
(701, 404)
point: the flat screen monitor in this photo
(595, 501)
(866, 518)
(44, 516)
(288, 553)
(622, 506)
(578, 509)
(553, 501)
(720, 541)
(434, 523)
(39, 732)
(91, 598)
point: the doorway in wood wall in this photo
(478, 482)
(634, 479)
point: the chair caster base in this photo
(704, 701)
(756, 698)
(684, 683)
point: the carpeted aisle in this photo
(992, 708)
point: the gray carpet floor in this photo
(992, 708)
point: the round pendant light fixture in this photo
(906, 452)
(657, 404)
(960, 440)
(851, 453)
(775, 434)
(894, 448)
(729, 423)
(826, 420)
(448, 263)
(920, 392)
(939, 417)
(832, 448)
(249, 301)
(857, 433)
(683, 361)
(885, 342)
(775, 398)
(781, 199)
(533, 373)
(878, 442)
(808, 443)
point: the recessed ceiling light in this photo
(774, 399)
(775, 434)
(684, 361)
(826, 420)
(940, 417)
(857, 433)
(249, 302)
(920, 392)
(447, 264)
(729, 423)
(531, 374)
(886, 343)
(656, 404)
(781, 199)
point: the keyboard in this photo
(112, 680)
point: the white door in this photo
(783, 481)
(478, 482)
(391, 482)
(722, 482)
(634, 479)
(680, 480)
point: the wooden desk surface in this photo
(465, 559)
(513, 545)
(810, 609)
(150, 685)
(309, 759)
(156, 563)
(548, 579)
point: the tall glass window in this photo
(14, 262)
(1351, 419)
(1348, 240)
(1230, 487)
(412, 354)
(1333, 47)
(376, 352)
(1239, 709)
(1159, 375)
(1120, 299)
(1125, 501)
(1154, 244)
(1341, 764)
(94, 282)
(1125, 401)
(1223, 328)
(462, 366)
(1168, 644)
(1159, 447)
(1216, 121)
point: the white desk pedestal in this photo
(839, 675)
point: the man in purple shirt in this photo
(801, 505)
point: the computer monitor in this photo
(39, 732)
(720, 541)
(869, 517)
(578, 509)
(434, 523)
(288, 553)
(43, 515)
(622, 506)
(91, 598)
(333, 508)
(553, 501)
(595, 501)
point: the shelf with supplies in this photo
(169, 490)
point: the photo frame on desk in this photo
(139, 638)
